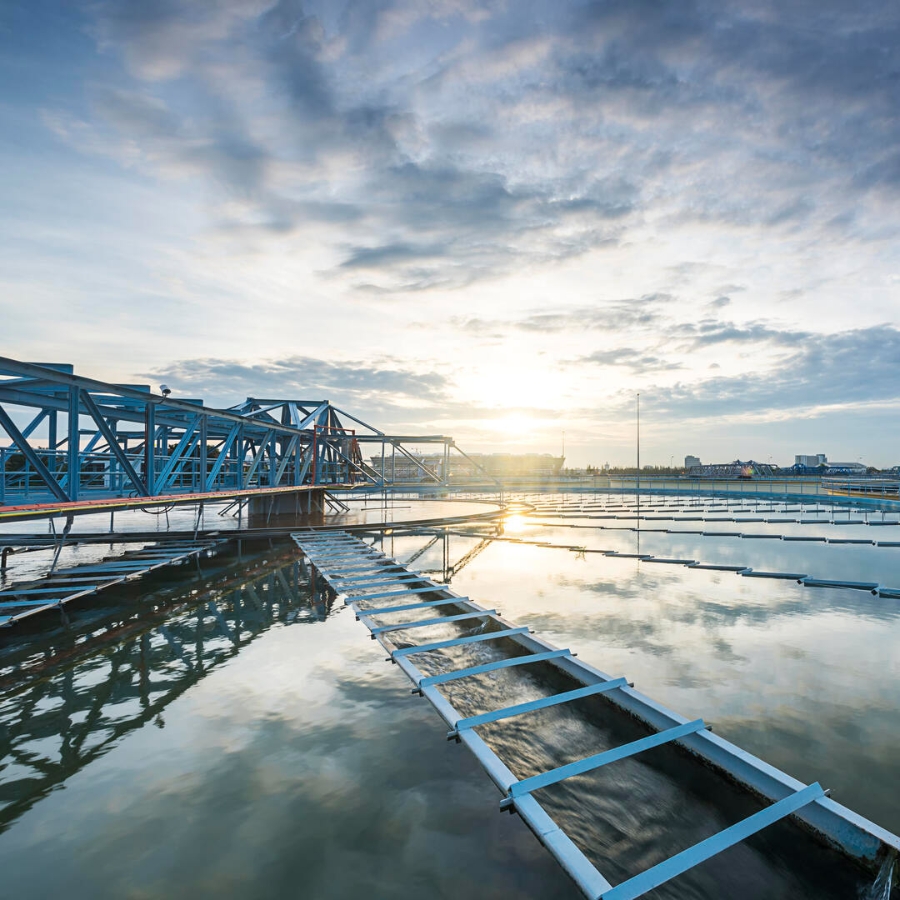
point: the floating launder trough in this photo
(334, 553)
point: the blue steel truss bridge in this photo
(75, 444)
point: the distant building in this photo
(430, 466)
(691, 461)
(845, 468)
(811, 460)
(736, 469)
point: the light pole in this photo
(639, 446)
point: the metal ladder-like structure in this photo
(365, 575)
(60, 587)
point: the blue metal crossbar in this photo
(402, 575)
(67, 585)
(381, 595)
(335, 547)
(788, 576)
(341, 547)
(409, 607)
(545, 779)
(440, 620)
(855, 585)
(362, 574)
(456, 642)
(374, 583)
(543, 703)
(331, 558)
(57, 589)
(492, 666)
(687, 859)
(377, 565)
(13, 604)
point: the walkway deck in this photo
(63, 586)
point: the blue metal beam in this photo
(545, 779)
(110, 438)
(459, 642)
(444, 677)
(427, 623)
(520, 709)
(687, 859)
(28, 452)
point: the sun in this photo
(516, 424)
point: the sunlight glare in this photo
(515, 523)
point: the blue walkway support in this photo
(857, 837)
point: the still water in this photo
(233, 732)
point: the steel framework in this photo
(72, 439)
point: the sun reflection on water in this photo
(515, 523)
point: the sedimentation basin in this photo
(230, 729)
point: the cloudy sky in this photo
(497, 220)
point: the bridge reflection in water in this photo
(71, 699)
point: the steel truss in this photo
(72, 438)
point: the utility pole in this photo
(637, 492)
(639, 444)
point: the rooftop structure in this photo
(453, 468)
(845, 468)
(736, 469)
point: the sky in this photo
(495, 220)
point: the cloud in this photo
(381, 386)
(626, 190)
(466, 140)
(709, 332)
(617, 316)
(628, 357)
(848, 369)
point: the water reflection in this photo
(204, 745)
(74, 697)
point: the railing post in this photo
(150, 447)
(201, 481)
(74, 443)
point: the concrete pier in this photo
(304, 507)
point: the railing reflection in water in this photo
(73, 699)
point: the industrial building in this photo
(472, 466)
(736, 469)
